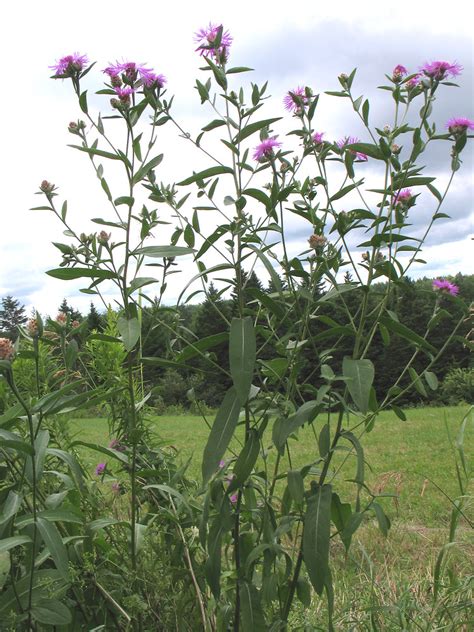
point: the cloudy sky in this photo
(290, 44)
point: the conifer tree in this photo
(12, 314)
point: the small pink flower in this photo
(100, 469)
(131, 71)
(124, 94)
(318, 138)
(295, 100)
(265, 148)
(221, 464)
(7, 350)
(459, 125)
(69, 65)
(61, 318)
(445, 286)
(233, 499)
(399, 72)
(206, 37)
(440, 70)
(403, 197)
(351, 140)
(153, 80)
(414, 82)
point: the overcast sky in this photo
(290, 44)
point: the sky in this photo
(289, 44)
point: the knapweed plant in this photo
(251, 543)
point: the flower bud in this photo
(7, 350)
(317, 241)
(61, 318)
(103, 237)
(47, 187)
(32, 327)
(75, 324)
(396, 149)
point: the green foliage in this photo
(458, 387)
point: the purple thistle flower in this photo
(459, 125)
(265, 149)
(131, 72)
(403, 196)
(124, 93)
(69, 65)
(153, 80)
(206, 37)
(318, 138)
(351, 140)
(414, 82)
(113, 71)
(295, 100)
(399, 72)
(100, 468)
(445, 286)
(440, 70)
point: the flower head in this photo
(440, 70)
(124, 94)
(70, 65)
(61, 318)
(154, 81)
(295, 100)
(445, 286)
(317, 241)
(318, 138)
(265, 148)
(414, 82)
(130, 72)
(459, 125)
(206, 40)
(403, 198)
(233, 498)
(32, 327)
(398, 73)
(100, 468)
(351, 140)
(7, 350)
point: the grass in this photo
(382, 583)
(413, 458)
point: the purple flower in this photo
(131, 72)
(440, 70)
(445, 286)
(403, 197)
(233, 499)
(459, 125)
(295, 100)
(399, 72)
(153, 80)
(414, 82)
(124, 93)
(70, 65)
(265, 149)
(351, 140)
(206, 37)
(100, 468)
(221, 464)
(318, 138)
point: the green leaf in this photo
(124, 199)
(417, 383)
(196, 348)
(221, 433)
(382, 518)
(83, 102)
(345, 190)
(259, 195)
(213, 125)
(316, 533)
(54, 542)
(251, 611)
(284, 427)
(340, 515)
(360, 376)
(251, 128)
(129, 329)
(359, 477)
(247, 458)
(44, 581)
(163, 251)
(115, 454)
(431, 380)
(16, 540)
(296, 485)
(406, 333)
(207, 173)
(51, 612)
(146, 168)
(242, 355)
(66, 274)
(139, 282)
(93, 151)
(366, 148)
(72, 350)
(324, 442)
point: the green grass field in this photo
(412, 458)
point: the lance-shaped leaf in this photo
(66, 274)
(242, 354)
(245, 461)
(316, 533)
(207, 173)
(163, 251)
(54, 542)
(251, 128)
(16, 540)
(360, 376)
(221, 433)
(251, 610)
(129, 329)
(284, 427)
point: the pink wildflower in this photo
(124, 93)
(440, 70)
(403, 197)
(130, 72)
(295, 100)
(265, 148)
(318, 138)
(69, 65)
(206, 37)
(7, 350)
(153, 80)
(459, 125)
(221, 464)
(445, 286)
(100, 468)
(414, 82)
(351, 140)
(399, 72)
(233, 499)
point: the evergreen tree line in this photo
(169, 333)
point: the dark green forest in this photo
(181, 372)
